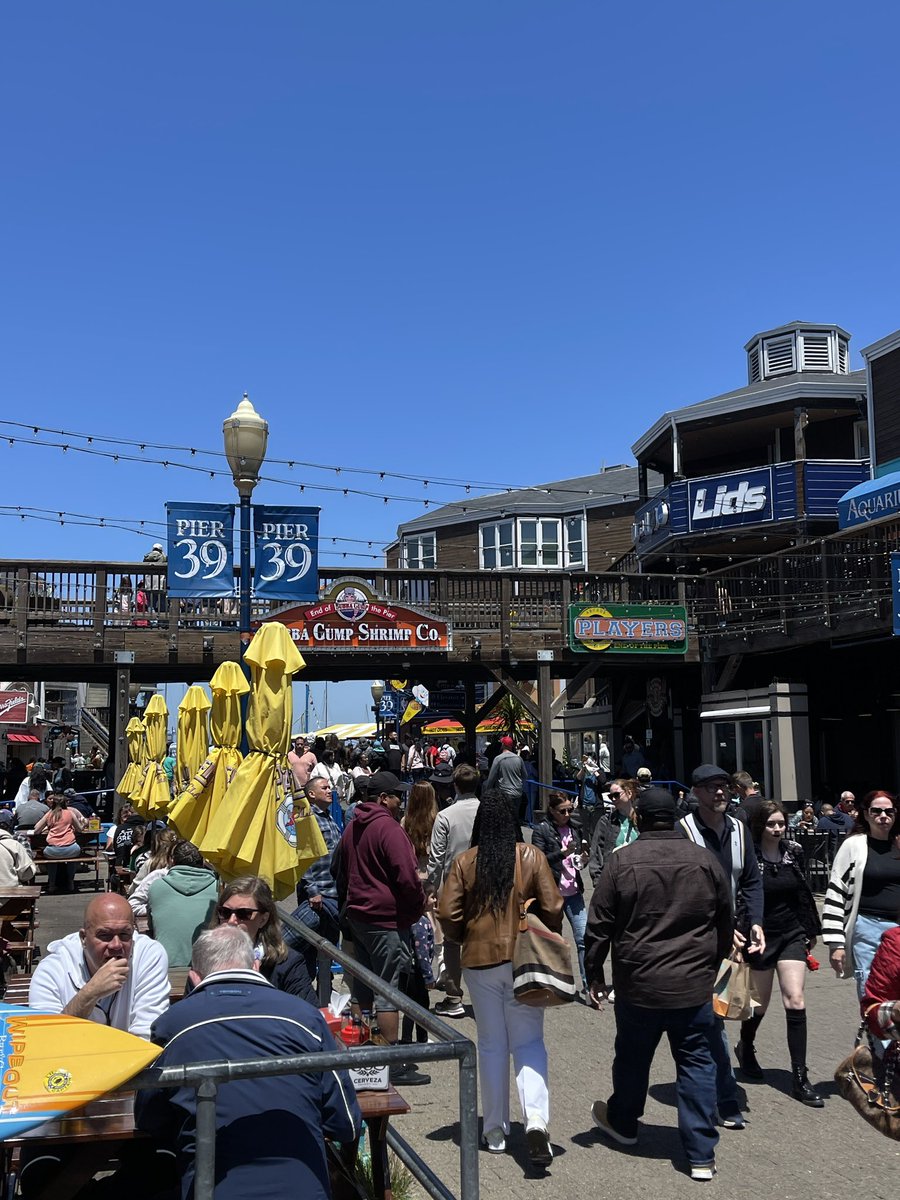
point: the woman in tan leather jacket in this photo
(480, 910)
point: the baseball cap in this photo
(656, 803)
(644, 773)
(386, 781)
(706, 773)
(507, 742)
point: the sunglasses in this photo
(243, 914)
(616, 795)
(878, 812)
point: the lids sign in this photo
(352, 618)
(628, 628)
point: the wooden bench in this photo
(18, 910)
(91, 857)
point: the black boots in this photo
(745, 1053)
(802, 1089)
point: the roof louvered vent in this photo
(816, 352)
(779, 354)
(796, 348)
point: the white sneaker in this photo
(494, 1141)
(703, 1174)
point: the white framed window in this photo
(540, 544)
(575, 556)
(497, 545)
(420, 551)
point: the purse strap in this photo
(524, 904)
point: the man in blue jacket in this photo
(271, 1130)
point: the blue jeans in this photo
(726, 1085)
(324, 922)
(867, 933)
(690, 1032)
(573, 907)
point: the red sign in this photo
(13, 708)
(351, 618)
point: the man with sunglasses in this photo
(382, 897)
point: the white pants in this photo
(505, 1027)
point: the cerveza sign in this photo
(742, 498)
(870, 501)
(628, 628)
(351, 617)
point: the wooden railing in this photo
(99, 596)
(826, 587)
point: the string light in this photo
(443, 481)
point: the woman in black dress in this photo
(791, 925)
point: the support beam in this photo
(726, 678)
(545, 686)
(572, 688)
(470, 718)
(121, 706)
(516, 692)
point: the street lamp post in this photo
(377, 690)
(246, 435)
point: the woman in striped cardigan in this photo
(863, 897)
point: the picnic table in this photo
(99, 1130)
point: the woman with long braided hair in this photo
(479, 908)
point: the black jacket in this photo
(663, 907)
(548, 838)
(604, 842)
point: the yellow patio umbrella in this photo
(136, 740)
(192, 745)
(154, 794)
(264, 826)
(191, 812)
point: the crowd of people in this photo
(431, 852)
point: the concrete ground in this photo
(787, 1152)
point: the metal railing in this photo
(205, 1078)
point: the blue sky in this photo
(486, 241)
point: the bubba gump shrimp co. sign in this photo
(351, 617)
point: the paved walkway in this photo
(787, 1152)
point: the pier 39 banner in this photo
(201, 557)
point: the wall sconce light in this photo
(207, 645)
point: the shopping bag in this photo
(734, 996)
(868, 1082)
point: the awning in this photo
(872, 500)
(346, 731)
(26, 738)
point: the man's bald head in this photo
(108, 930)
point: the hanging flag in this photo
(286, 555)
(201, 549)
(420, 693)
(412, 710)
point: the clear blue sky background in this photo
(491, 240)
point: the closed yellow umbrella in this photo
(192, 811)
(154, 794)
(263, 827)
(192, 745)
(136, 739)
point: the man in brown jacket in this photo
(663, 906)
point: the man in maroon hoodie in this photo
(381, 897)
